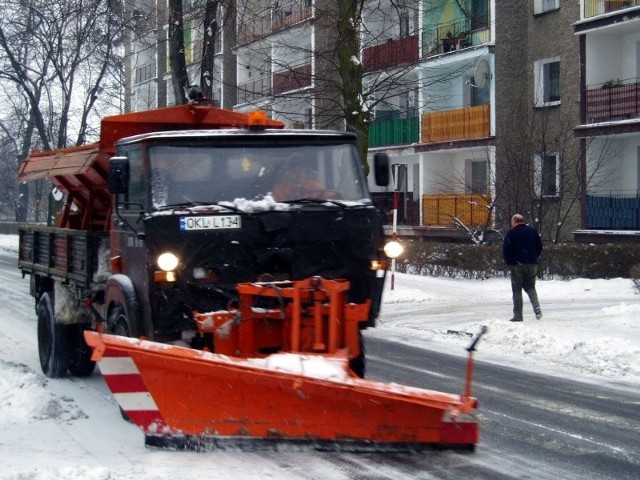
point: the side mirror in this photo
(118, 175)
(381, 169)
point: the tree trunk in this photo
(351, 72)
(210, 24)
(177, 61)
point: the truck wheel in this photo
(119, 321)
(123, 307)
(80, 363)
(53, 340)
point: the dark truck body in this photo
(98, 269)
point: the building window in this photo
(547, 82)
(541, 6)
(477, 178)
(477, 95)
(403, 18)
(547, 175)
(479, 14)
(145, 73)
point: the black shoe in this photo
(515, 319)
(538, 313)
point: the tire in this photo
(53, 340)
(119, 322)
(80, 363)
(123, 307)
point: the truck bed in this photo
(60, 253)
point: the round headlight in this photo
(167, 261)
(393, 249)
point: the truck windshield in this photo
(202, 175)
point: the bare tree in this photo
(542, 171)
(177, 61)
(339, 90)
(58, 57)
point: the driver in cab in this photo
(299, 181)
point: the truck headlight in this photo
(167, 261)
(393, 249)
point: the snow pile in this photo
(24, 399)
(590, 328)
(308, 365)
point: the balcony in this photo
(593, 8)
(460, 124)
(615, 211)
(453, 36)
(293, 79)
(613, 100)
(391, 54)
(394, 131)
(471, 209)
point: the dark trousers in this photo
(523, 277)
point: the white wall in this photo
(613, 163)
(604, 59)
(611, 57)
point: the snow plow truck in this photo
(223, 299)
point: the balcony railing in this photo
(594, 8)
(619, 212)
(254, 89)
(394, 131)
(391, 54)
(252, 29)
(457, 35)
(460, 124)
(614, 100)
(471, 209)
(290, 15)
(293, 79)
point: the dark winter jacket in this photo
(522, 245)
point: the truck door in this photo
(127, 234)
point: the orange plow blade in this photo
(185, 398)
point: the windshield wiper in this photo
(177, 206)
(181, 205)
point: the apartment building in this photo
(437, 122)
(608, 33)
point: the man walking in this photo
(521, 249)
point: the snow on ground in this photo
(590, 330)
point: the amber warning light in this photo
(257, 119)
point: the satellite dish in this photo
(481, 74)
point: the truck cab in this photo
(200, 212)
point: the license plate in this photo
(211, 222)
